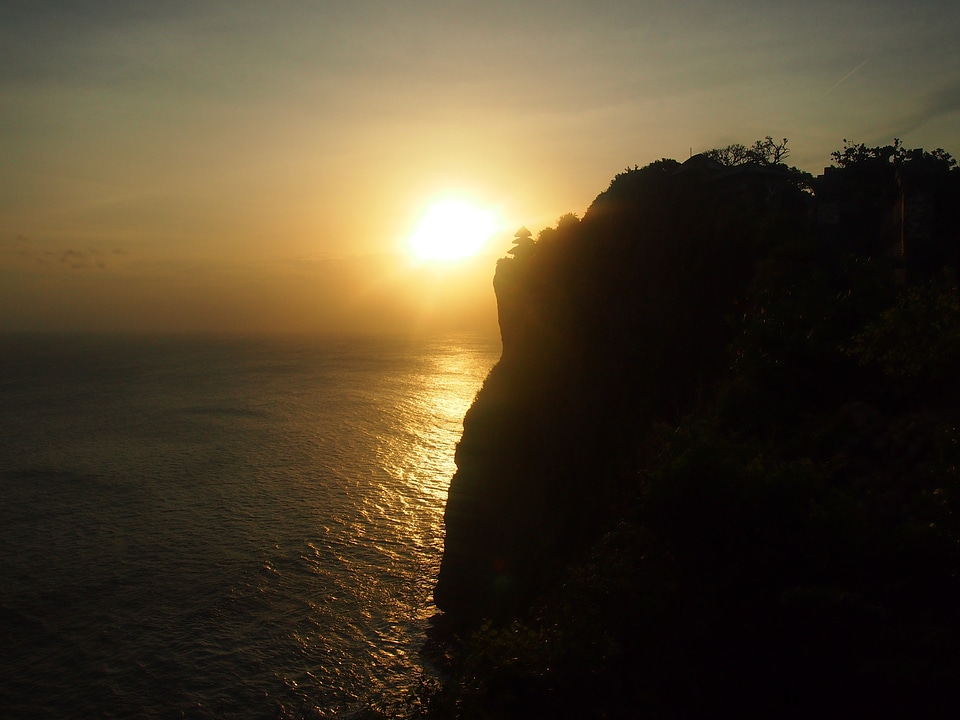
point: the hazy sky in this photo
(241, 166)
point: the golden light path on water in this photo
(421, 460)
(446, 396)
(388, 549)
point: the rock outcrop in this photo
(607, 323)
(717, 469)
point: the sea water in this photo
(222, 527)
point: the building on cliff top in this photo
(522, 243)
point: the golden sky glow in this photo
(259, 167)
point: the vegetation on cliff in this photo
(717, 468)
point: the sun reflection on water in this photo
(418, 456)
(434, 412)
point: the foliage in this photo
(503, 671)
(658, 167)
(895, 154)
(762, 152)
(854, 154)
(566, 224)
(918, 339)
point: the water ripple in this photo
(222, 528)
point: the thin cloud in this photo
(82, 259)
(846, 77)
(21, 251)
(942, 102)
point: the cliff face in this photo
(728, 413)
(607, 323)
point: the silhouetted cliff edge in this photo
(607, 322)
(716, 472)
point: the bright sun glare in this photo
(451, 230)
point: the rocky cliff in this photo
(607, 323)
(717, 470)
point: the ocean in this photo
(223, 527)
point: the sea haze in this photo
(222, 527)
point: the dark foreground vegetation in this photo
(716, 471)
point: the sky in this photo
(247, 167)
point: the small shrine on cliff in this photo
(522, 243)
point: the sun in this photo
(452, 229)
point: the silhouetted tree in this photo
(762, 152)
(768, 152)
